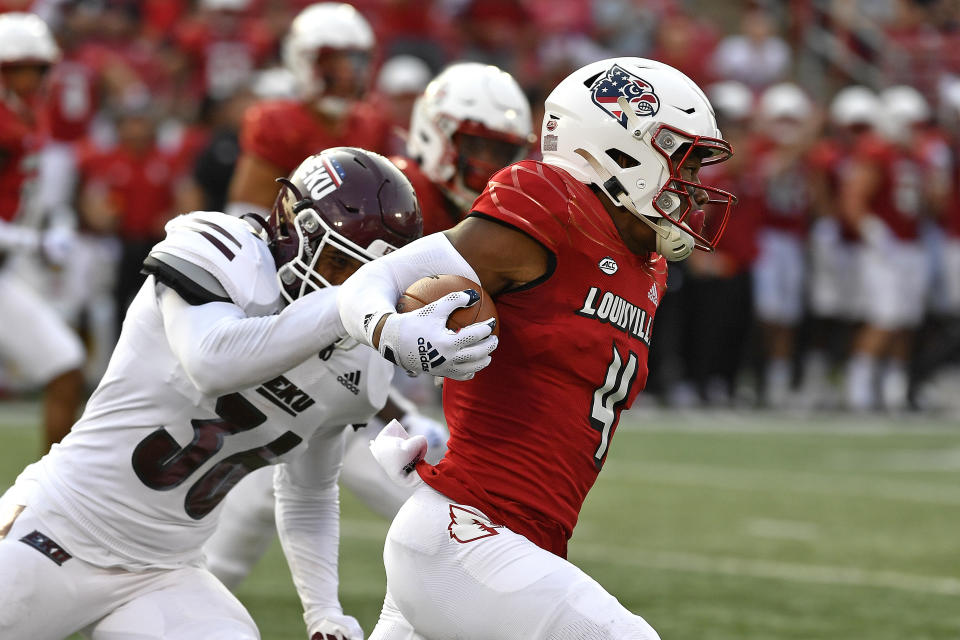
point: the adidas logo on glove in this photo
(429, 357)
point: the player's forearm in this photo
(222, 350)
(308, 522)
(372, 292)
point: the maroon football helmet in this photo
(354, 200)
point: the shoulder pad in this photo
(211, 256)
(531, 196)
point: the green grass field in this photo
(717, 526)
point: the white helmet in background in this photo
(627, 125)
(855, 105)
(403, 75)
(328, 50)
(785, 101)
(903, 107)
(25, 38)
(731, 99)
(472, 120)
(786, 110)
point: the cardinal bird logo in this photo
(618, 82)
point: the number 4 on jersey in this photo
(609, 397)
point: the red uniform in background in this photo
(529, 434)
(439, 212)
(784, 190)
(284, 132)
(19, 143)
(898, 196)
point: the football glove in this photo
(420, 342)
(398, 453)
(56, 244)
(337, 627)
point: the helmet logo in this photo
(608, 265)
(324, 178)
(619, 82)
(551, 124)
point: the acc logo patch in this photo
(608, 265)
(467, 526)
(619, 82)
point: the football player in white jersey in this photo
(231, 357)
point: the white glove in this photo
(56, 244)
(417, 424)
(419, 340)
(337, 627)
(677, 245)
(398, 453)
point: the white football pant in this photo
(778, 277)
(895, 284)
(452, 575)
(34, 339)
(43, 600)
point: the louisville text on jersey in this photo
(609, 308)
(286, 395)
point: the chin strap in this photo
(673, 243)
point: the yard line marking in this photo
(761, 421)
(766, 480)
(785, 571)
(781, 529)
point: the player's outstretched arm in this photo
(371, 294)
(308, 521)
(223, 350)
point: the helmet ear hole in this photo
(623, 159)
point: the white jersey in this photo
(139, 480)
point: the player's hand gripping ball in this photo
(432, 288)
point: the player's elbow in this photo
(207, 375)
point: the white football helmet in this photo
(403, 75)
(732, 99)
(785, 110)
(903, 107)
(329, 31)
(472, 120)
(25, 38)
(627, 125)
(854, 105)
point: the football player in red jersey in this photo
(574, 251)
(328, 50)
(472, 120)
(44, 349)
(883, 199)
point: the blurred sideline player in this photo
(779, 158)
(328, 50)
(230, 359)
(883, 200)
(400, 82)
(34, 338)
(567, 248)
(835, 296)
(472, 97)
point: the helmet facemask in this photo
(312, 237)
(478, 153)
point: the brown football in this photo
(426, 290)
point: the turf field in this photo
(718, 526)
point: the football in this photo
(426, 290)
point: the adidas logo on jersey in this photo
(652, 294)
(351, 381)
(286, 395)
(467, 526)
(429, 357)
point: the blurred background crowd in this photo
(837, 284)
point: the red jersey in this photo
(785, 187)
(284, 132)
(139, 187)
(830, 161)
(19, 144)
(529, 433)
(897, 199)
(71, 100)
(439, 213)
